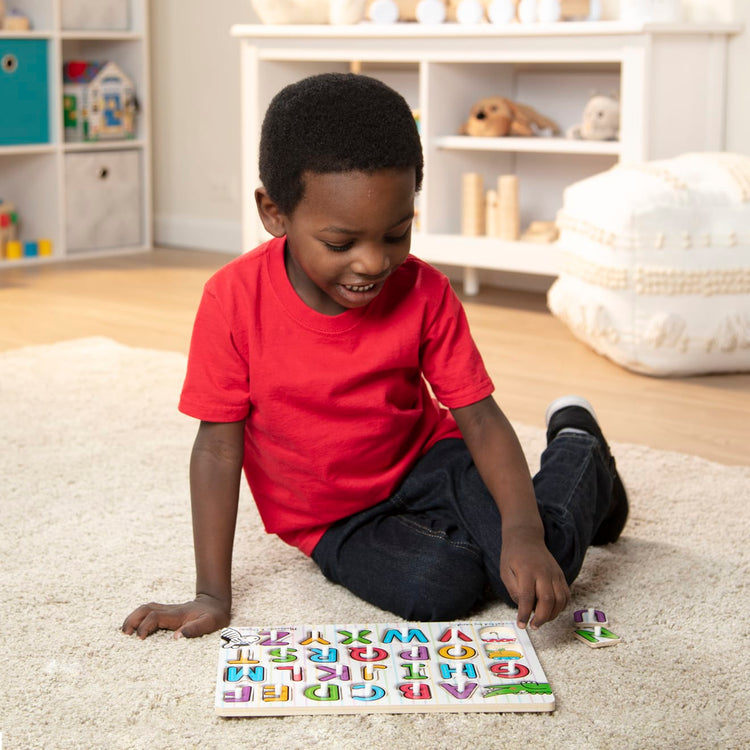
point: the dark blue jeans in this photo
(431, 552)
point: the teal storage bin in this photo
(24, 97)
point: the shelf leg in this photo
(471, 282)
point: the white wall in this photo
(196, 122)
(196, 113)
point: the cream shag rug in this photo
(95, 520)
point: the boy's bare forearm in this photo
(215, 474)
(499, 458)
(530, 574)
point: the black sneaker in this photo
(577, 413)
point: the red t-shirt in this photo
(337, 408)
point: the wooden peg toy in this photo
(490, 213)
(589, 618)
(508, 213)
(472, 205)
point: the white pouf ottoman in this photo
(656, 264)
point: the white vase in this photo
(384, 11)
(470, 11)
(527, 11)
(431, 11)
(548, 11)
(346, 11)
(501, 11)
(595, 10)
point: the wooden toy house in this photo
(99, 101)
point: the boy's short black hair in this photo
(334, 122)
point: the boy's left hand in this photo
(533, 578)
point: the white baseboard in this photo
(220, 236)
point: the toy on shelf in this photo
(497, 116)
(508, 213)
(8, 226)
(501, 11)
(541, 231)
(99, 101)
(494, 213)
(431, 11)
(14, 21)
(11, 248)
(601, 120)
(472, 205)
(383, 11)
(397, 10)
(470, 12)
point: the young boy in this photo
(309, 366)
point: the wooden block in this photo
(13, 250)
(490, 213)
(541, 231)
(509, 217)
(472, 205)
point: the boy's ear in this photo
(270, 214)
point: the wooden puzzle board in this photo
(389, 668)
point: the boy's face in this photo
(350, 231)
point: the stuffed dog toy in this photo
(498, 116)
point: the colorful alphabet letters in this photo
(390, 668)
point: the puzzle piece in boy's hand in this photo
(597, 640)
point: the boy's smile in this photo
(347, 235)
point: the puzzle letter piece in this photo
(597, 640)
(586, 618)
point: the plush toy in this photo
(601, 120)
(498, 116)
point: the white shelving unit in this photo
(33, 176)
(670, 80)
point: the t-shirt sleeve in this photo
(216, 387)
(451, 361)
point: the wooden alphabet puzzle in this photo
(389, 668)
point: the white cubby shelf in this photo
(443, 70)
(34, 176)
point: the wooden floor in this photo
(149, 300)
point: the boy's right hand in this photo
(199, 617)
